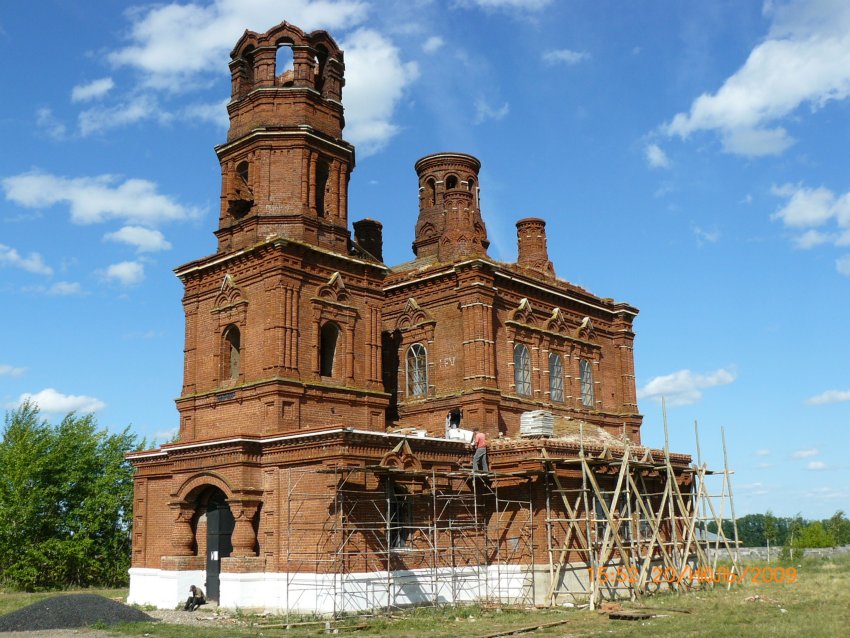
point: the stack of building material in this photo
(536, 423)
(459, 434)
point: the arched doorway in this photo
(219, 531)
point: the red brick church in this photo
(314, 468)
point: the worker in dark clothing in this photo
(195, 600)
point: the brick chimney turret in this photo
(531, 245)
(368, 233)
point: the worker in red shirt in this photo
(479, 458)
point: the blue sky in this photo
(690, 158)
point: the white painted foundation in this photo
(163, 589)
(336, 593)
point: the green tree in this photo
(66, 496)
(813, 535)
(770, 528)
(838, 528)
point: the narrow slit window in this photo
(522, 370)
(323, 170)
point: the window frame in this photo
(416, 380)
(586, 382)
(522, 370)
(322, 349)
(556, 378)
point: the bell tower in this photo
(285, 167)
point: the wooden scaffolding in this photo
(624, 522)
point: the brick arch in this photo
(193, 485)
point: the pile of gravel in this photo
(70, 611)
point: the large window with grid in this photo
(556, 377)
(586, 378)
(417, 371)
(522, 370)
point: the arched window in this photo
(417, 371)
(586, 378)
(323, 170)
(430, 190)
(522, 370)
(400, 516)
(321, 62)
(451, 182)
(556, 377)
(242, 171)
(231, 353)
(284, 65)
(327, 348)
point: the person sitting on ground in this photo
(195, 600)
(479, 444)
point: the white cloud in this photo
(805, 453)
(816, 465)
(762, 452)
(828, 493)
(656, 157)
(684, 387)
(58, 289)
(92, 90)
(484, 112)
(96, 199)
(375, 81)
(830, 396)
(842, 265)
(175, 45)
(144, 239)
(64, 288)
(126, 273)
(433, 44)
(213, 112)
(804, 60)
(49, 400)
(813, 208)
(136, 109)
(807, 207)
(565, 56)
(706, 236)
(34, 263)
(527, 5)
(165, 435)
(812, 238)
(10, 371)
(47, 122)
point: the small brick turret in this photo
(368, 233)
(441, 176)
(531, 245)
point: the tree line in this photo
(66, 502)
(794, 532)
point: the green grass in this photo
(817, 604)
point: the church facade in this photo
(314, 371)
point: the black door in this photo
(219, 530)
